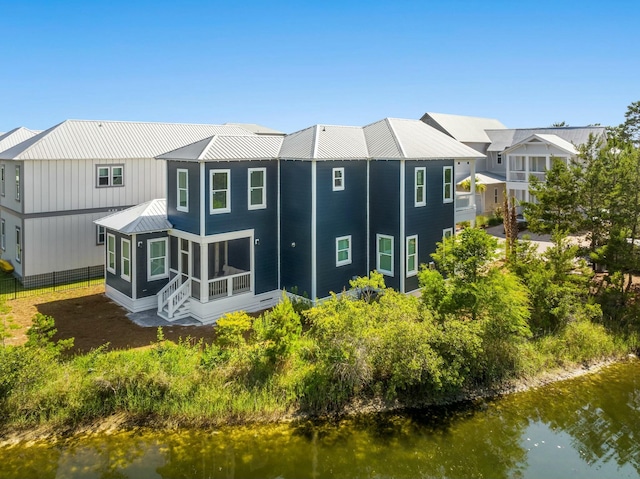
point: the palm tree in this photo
(466, 185)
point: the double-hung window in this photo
(384, 262)
(257, 191)
(447, 184)
(3, 234)
(220, 181)
(157, 259)
(100, 233)
(343, 250)
(420, 186)
(17, 183)
(125, 259)
(338, 179)
(109, 175)
(183, 190)
(2, 183)
(111, 253)
(18, 244)
(412, 255)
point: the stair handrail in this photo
(178, 298)
(165, 293)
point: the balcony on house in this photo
(465, 207)
(517, 169)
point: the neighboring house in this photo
(511, 154)
(249, 216)
(529, 151)
(56, 183)
(490, 169)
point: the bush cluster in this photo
(478, 323)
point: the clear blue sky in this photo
(288, 65)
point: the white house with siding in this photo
(56, 183)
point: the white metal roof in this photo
(325, 142)
(485, 178)
(257, 129)
(576, 135)
(550, 139)
(91, 139)
(467, 129)
(402, 138)
(143, 218)
(228, 147)
(389, 138)
(15, 136)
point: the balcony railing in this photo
(464, 201)
(517, 176)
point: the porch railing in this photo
(165, 293)
(230, 285)
(179, 297)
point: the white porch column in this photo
(204, 272)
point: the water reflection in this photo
(587, 427)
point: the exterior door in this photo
(184, 263)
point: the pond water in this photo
(587, 427)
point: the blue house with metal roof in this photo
(247, 216)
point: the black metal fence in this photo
(13, 288)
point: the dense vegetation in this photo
(482, 319)
(479, 322)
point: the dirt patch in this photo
(92, 319)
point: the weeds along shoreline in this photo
(122, 422)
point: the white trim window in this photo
(125, 259)
(182, 190)
(420, 195)
(412, 255)
(18, 244)
(157, 259)
(447, 233)
(384, 254)
(447, 184)
(338, 179)
(257, 190)
(100, 234)
(495, 195)
(2, 178)
(109, 175)
(17, 182)
(111, 253)
(3, 234)
(220, 199)
(343, 250)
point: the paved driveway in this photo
(541, 241)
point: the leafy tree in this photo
(631, 126)
(466, 255)
(556, 200)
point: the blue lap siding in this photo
(263, 221)
(384, 212)
(295, 221)
(430, 220)
(340, 213)
(115, 280)
(188, 221)
(144, 287)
